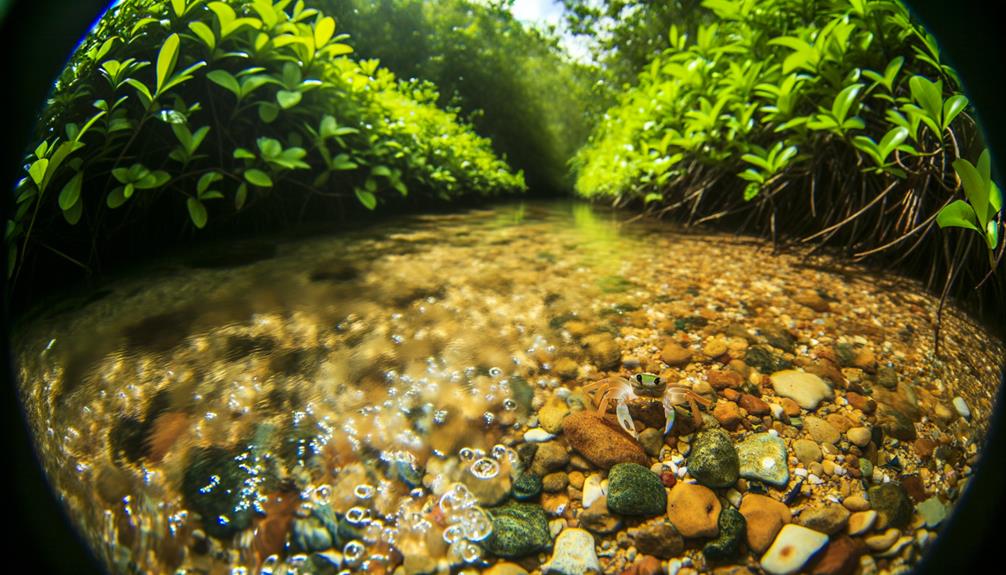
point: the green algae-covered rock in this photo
(713, 461)
(635, 490)
(519, 529)
(212, 486)
(526, 486)
(891, 504)
(733, 529)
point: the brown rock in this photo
(813, 300)
(839, 422)
(861, 402)
(724, 379)
(841, 557)
(914, 487)
(807, 451)
(765, 517)
(550, 456)
(865, 360)
(924, 447)
(555, 482)
(789, 407)
(644, 565)
(694, 510)
(828, 519)
(659, 538)
(271, 531)
(600, 441)
(727, 413)
(753, 405)
(551, 414)
(674, 355)
(603, 350)
(167, 428)
(731, 394)
(829, 370)
(597, 518)
(820, 430)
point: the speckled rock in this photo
(635, 490)
(829, 519)
(891, 504)
(658, 538)
(713, 460)
(519, 529)
(792, 548)
(763, 457)
(728, 542)
(526, 486)
(694, 510)
(213, 498)
(551, 414)
(601, 442)
(820, 430)
(806, 389)
(574, 554)
(765, 517)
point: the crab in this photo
(644, 385)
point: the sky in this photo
(545, 12)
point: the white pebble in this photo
(791, 549)
(673, 566)
(593, 489)
(537, 435)
(574, 554)
(800, 472)
(961, 407)
(777, 410)
(814, 480)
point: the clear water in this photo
(353, 401)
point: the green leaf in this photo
(843, 101)
(368, 199)
(957, 214)
(204, 33)
(267, 112)
(270, 147)
(37, 170)
(241, 196)
(70, 193)
(323, 30)
(166, 60)
(206, 180)
(243, 154)
(197, 211)
(225, 80)
(992, 234)
(975, 188)
(72, 215)
(380, 171)
(952, 107)
(115, 198)
(258, 178)
(287, 99)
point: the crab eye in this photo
(639, 377)
(656, 380)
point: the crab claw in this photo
(624, 419)
(669, 416)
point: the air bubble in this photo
(509, 404)
(498, 451)
(454, 533)
(364, 491)
(353, 551)
(495, 371)
(466, 454)
(476, 524)
(358, 515)
(489, 417)
(485, 468)
(470, 553)
(322, 494)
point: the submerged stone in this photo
(635, 490)
(214, 485)
(519, 529)
(527, 486)
(574, 554)
(713, 460)
(763, 457)
(732, 530)
(891, 503)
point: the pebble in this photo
(726, 545)
(593, 490)
(652, 440)
(555, 482)
(763, 457)
(753, 405)
(527, 486)
(537, 435)
(551, 456)
(675, 355)
(694, 510)
(792, 548)
(806, 451)
(518, 529)
(856, 503)
(860, 436)
(962, 407)
(820, 430)
(603, 350)
(635, 490)
(601, 442)
(841, 557)
(813, 300)
(829, 519)
(645, 565)
(891, 503)
(883, 540)
(862, 521)
(714, 348)
(719, 379)
(574, 554)
(806, 389)
(212, 486)
(861, 402)
(713, 460)
(576, 479)
(505, 568)
(551, 414)
(728, 414)
(566, 368)
(933, 511)
(765, 517)
(658, 538)
(597, 519)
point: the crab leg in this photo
(696, 414)
(669, 414)
(624, 419)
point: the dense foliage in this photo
(213, 108)
(513, 81)
(832, 119)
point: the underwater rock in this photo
(519, 529)
(574, 554)
(603, 351)
(127, 439)
(526, 486)
(728, 542)
(887, 377)
(841, 557)
(820, 430)
(674, 355)
(555, 482)
(551, 456)
(764, 360)
(891, 503)
(829, 519)
(694, 510)
(753, 405)
(325, 563)
(505, 568)
(551, 414)
(601, 442)
(314, 533)
(792, 548)
(597, 519)
(764, 517)
(933, 511)
(862, 521)
(763, 457)
(778, 337)
(652, 440)
(859, 436)
(658, 538)
(213, 486)
(806, 389)
(635, 490)
(806, 451)
(713, 460)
